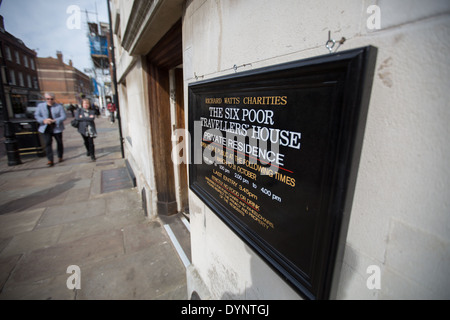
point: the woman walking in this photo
(86, 127)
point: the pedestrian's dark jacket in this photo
(85, 120)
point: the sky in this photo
(47, 26)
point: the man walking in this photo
(51, 116)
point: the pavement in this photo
(78, 230)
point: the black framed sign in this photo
(274, 153)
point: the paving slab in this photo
(142, 236)
(53, 288)
(120, 202)
(150, 275)
(78, 195)
(49, 262)
(33, 240)
(7, 265)
(60, 214)
(17, 223)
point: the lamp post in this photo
(11, 145)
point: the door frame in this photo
(166, 55)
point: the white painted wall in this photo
(400, 219)
(135, 116)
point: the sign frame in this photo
(350, 74)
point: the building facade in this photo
(68, 83)
(395, 242)
(99, 35)
(18, 71)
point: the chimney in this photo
(59, 56)
(70, 63)
(2, 24)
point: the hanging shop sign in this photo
(274, 153)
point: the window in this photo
(17, 57)
(8, 53)
(25, 61)
(21, 83)
(29, 81)
(32, 64)
(12, 75)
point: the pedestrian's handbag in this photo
(74, 123)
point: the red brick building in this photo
(18, 72)
(67, 83)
